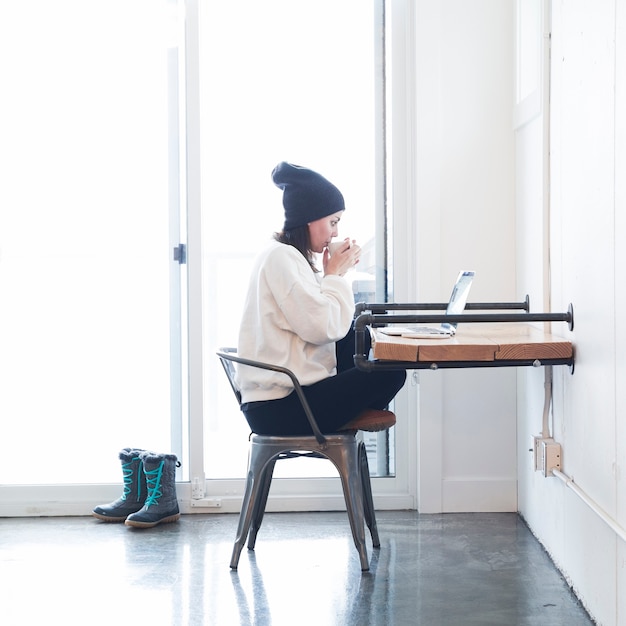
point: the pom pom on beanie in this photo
(307, 195)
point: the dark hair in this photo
(300, 239)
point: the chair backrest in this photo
(229, 367)
(228, 358)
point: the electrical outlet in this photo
(551, 456)
(547, 453)
(197, 488)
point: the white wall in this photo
(586, 266)
(557, 233)
(464, 172)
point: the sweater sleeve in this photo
(292, 317)
(318, 311)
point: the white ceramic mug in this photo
(338, 245)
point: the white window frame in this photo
(204, 494)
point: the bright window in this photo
(85, 255)
(91, 321)
(281, 80)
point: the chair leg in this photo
(265, 482)
(368, 501)
(349, 466)
(260, 459)
(245, 518)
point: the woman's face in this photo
(322, 231)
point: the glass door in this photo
(89, 218)
(293, 81)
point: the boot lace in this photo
(153, 483)
(127, 474)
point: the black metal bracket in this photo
(367, 365)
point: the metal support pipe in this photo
(383, 307)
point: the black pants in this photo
(334, 401)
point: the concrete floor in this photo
(456, 569)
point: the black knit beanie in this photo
(307, 196)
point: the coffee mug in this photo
(338, 245)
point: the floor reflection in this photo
(437, 569)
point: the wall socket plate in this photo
(547, 455)
(197, 488)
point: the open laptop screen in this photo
(460, 293)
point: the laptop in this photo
(456, 305)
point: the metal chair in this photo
(344, 449)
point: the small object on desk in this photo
(418, 332)
(456, 304)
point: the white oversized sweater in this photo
(292, 317)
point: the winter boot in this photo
(135, 491)
(161, 504)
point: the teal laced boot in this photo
(161, 505)
(135, 492)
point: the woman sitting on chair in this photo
(300, 318)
